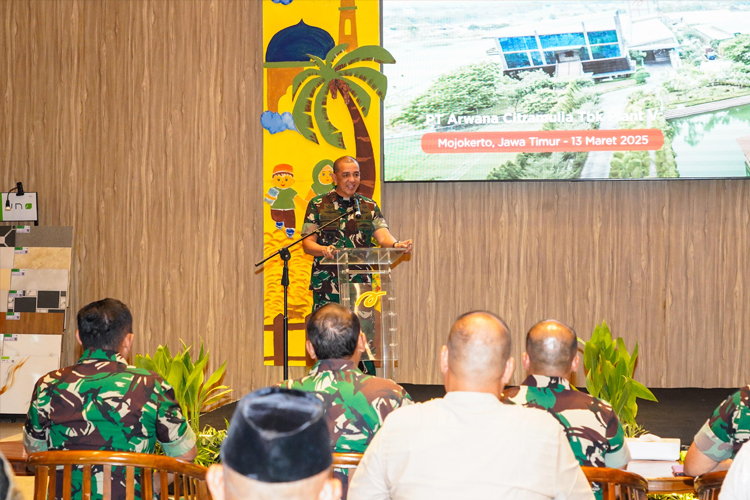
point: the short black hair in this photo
(339, 161)
(333, 330)
(103, 324)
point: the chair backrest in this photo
(155, 473)
(631, 486)
(346, 460)
(708, 486)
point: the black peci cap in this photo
(277, 436)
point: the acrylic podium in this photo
(373, 301)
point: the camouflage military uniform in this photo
(347, 233)
(102, 403)
(591, 426)
(722, 436)
(356, 404)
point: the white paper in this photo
(652, 468)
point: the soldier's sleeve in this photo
(405, 399)
(618, 454)
(312, 217)
(378, 221)
(717, 438)
(35, 431)
(172, 430)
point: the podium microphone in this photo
(357, 211)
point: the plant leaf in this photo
(301, 77)
(302, 107)
(202, 354)
(376, 80)
(590, 355)
(216, 397)
(643, 392)
(215, 376)
(338, 49)
(633, 360)
(175, 376)
(360, 95)
(622, 350)
(193, 384)
(622, 400)
(365, 53)
(328, 131)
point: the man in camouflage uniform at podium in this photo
(349, 232)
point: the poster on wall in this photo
(613, 89)
(322, 94)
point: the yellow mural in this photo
(297, 167)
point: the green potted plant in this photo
(194, 392)
(609, 376)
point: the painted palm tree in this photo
(339, 75)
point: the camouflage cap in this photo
(277, 436)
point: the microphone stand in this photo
(285, 255)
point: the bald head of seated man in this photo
(469, 444)
(551, 350)
(277, 446)
(476, 357)
(592, 427)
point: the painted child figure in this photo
(282, 198)
(322, 179)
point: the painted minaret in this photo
(348, 24)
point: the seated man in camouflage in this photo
(102, 403)
(277, 446)
(356, 404)
(591, 426)
(722, 436)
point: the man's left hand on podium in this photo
(407, 244)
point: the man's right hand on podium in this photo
(329, 252)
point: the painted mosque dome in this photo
(296, 42)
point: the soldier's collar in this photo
(340, 198)
(545, 381)
(332, 365)
(102, 355)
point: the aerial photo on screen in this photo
(504, 90)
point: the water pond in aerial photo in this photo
(711, 139)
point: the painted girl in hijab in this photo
(322, 179)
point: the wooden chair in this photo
(708, 486)
(631, 486)
(346, 460)
(189, 480)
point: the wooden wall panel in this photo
(665, 263)
(137, 123)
